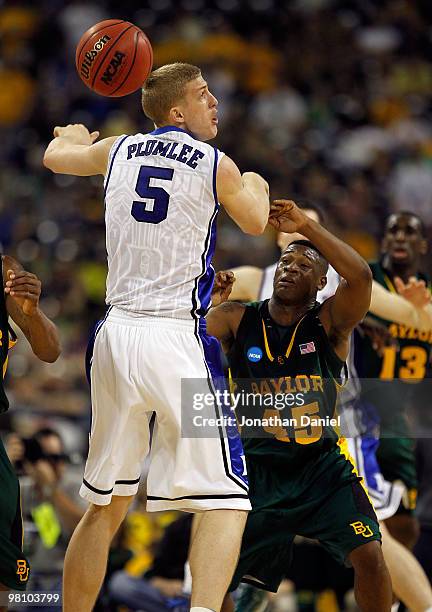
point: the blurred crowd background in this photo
(329, 99)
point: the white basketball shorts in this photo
(136, 370)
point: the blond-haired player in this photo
(162, 194)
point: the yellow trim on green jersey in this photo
(290, 345)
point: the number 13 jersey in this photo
(160, 214)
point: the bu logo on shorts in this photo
(254, 354)
(361, 529)
(22, 570)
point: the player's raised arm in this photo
(245, 196)
(73, 150)
(22, 291)
(342, 312)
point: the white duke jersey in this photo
(160, 214)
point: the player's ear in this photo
(423, 247)
(384, 245)
(176, 115)
(322, 282)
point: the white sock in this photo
(197, 609)
(187, 580)
(395, 606)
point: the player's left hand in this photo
(286, 216)
(25, 289)
(415, 291)
(222, 287)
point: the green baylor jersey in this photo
(391, 384)
(408, 359)
(401, 366)
(294, 371)
(301, 479)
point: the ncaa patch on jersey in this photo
(309, 347)
(254, 354)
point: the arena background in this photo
(329, 100)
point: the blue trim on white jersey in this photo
(171, 128)
(230, 440)
(215, 167)
(112, 161)
(201, 294)
(91, 343)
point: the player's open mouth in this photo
(215, 120)
(399, 253)
(286, 281)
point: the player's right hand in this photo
(286, 216)
(76, 133)
(222, 287)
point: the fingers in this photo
(21, 276)
(279, 207)
(26, 294)
(399, 284)
(415, 281)
(22, 283)
(283, 204)
(25, 286)
(226, 293)
(224, 278)
(228, 277)
(74, 127)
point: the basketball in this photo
(114, 58)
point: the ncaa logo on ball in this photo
(91, 55)
(254, 354)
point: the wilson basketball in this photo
(114, 58)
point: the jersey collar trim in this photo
(290, 345)
(170, 128)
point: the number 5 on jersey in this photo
(143, 211)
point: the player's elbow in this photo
(254, 227)
(49, 353)
(363, 276)
(50, 161)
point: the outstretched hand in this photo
(76, 133)
(285, 216)
(222, 287)
(415, 291)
